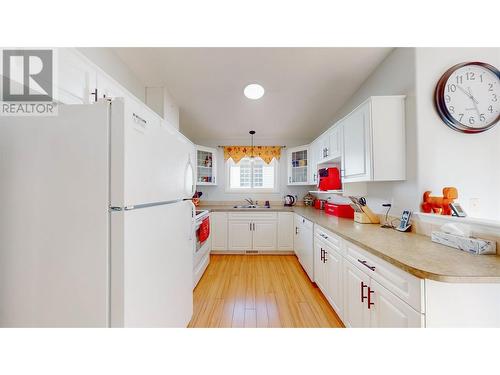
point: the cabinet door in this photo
(314, 150)
(335, 142)
(218, 230)
(206, 166)
(356, 158)
(388, 311)
(285, 230)
(324, 146)
(264, 235)
(240, 235)
(298, 159)
(296, 237)
(356, 283)
(335, 291)
(320, 266)
(109, 88)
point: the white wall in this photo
(218, 193)
(108, 61)
(470, 162)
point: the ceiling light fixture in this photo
(254, 91)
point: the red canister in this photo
(340, 210)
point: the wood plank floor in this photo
(259, 291)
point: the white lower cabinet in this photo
(365, 290)
(240, 235)
(388, 311)
(285, 231)
(303, 244)
(356, 283)
(264, 235)
(252, 231)
(218, 230)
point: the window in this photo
(251, 176)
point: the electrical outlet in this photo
(474, 205)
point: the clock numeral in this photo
(494, 98)
(490, 109)
(481, 77)
(491, 86)
(472, 120)
(459, 80)
(452, 109)
(461, 117)
(453, 88)
(482, 117)
(447, 98)
(470, 76)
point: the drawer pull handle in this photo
(370, 303)
(363, 297)
(363, 262)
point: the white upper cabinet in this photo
(76, 78)
(298, 161)
(335, 142)
(206, 165)
(373, 141)
(314, 152)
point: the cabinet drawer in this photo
(407, 287)
(253, 216)
(329, 238)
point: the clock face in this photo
(468, 97)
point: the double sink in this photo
(250, 206)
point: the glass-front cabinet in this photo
(298, 165)
(206, 165)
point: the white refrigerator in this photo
(94, 231)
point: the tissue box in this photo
(471, 245)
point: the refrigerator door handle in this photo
(189, 178)
(193, 221)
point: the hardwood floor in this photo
(259, 291)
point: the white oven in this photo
(201, 256)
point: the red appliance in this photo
(319, 204)
(329, 179)
(340, 210)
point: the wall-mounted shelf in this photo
(326, 191)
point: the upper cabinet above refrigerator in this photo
(206, 166)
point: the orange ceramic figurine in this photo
(439, 205)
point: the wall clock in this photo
(467, 97)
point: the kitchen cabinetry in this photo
(373, 141)
(285, 231)
(218, 230)
(252, 231)
(314, 151)
(363, 289)
(303, 244)
(298, 160)
(330, 144)
(206, 165)
(328, 262)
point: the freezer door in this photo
(152, 266)
(150, 159)
(54, 220)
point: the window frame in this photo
(229, 162)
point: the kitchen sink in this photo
(250, 206)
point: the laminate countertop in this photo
(413, 253)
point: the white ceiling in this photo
(304, 87)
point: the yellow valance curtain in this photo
(266, 153)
